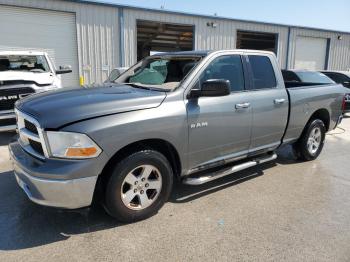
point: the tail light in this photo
(343, 107)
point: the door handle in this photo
(242, 105)
(279, 101)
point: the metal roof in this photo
(96, 2)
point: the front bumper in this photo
(55, 192)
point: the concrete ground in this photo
(287, 211)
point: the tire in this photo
(138, 186)
(311, 142)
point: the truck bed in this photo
(307, 99)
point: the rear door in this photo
(269, 101)
(219, 129)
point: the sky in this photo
(326, 14)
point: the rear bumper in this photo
(7, 121)
(53, 190)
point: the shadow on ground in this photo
(24, 224)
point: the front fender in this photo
(167, 122)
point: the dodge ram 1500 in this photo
(192, 116)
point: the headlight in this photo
(72, 145)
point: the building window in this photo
(257, 41)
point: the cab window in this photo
(262, 72)
(228, 67)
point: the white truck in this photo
(23, 73)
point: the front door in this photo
(219, 127)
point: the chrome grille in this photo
(36, 146)
(31, 136)
(9, 121)
(31, 127)
(9, 96)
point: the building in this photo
(96, 37)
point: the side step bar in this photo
(195, 181)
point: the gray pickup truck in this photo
(192, 116)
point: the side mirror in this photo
(346, 84)
(115, 73)
(212, 87)
(64, 70)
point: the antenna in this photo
(163, 5)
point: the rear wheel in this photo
(311, 142)
(138, 186)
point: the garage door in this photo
(49, 31)
(310, 53)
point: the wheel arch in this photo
(323, 115)
(160, 145)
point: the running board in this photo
(194, 181)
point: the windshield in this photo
(159, 73)
(314, 77)
(29, 63)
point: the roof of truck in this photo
(207, 52)
(19, 52)
(300, 70)
(347, 73)
(185, 53)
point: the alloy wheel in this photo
(141, 187)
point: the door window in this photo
(262, 71)
(289, 76)
(228, 68)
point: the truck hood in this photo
(54, 109)
(39, 78)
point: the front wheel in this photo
(311, 141)
(138, 186)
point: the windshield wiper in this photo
(147, 87)
(139, 86)
(136, 85)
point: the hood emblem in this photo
(10, 97)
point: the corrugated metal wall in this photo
(339, 51)
(221, 37)
(97, 34)
(54, 31)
